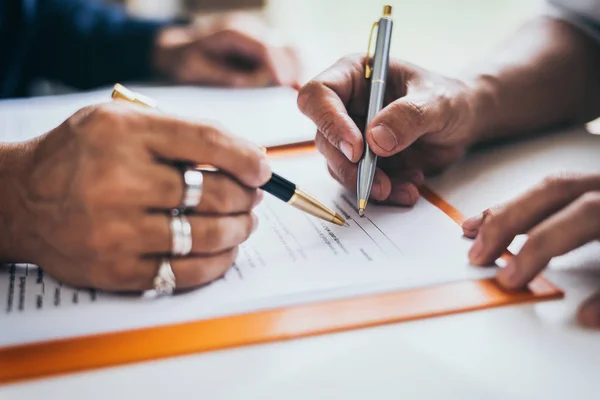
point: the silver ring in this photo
(164, 281)
(192, 187)
(181, 232)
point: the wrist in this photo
(482, 97)
(14, 224)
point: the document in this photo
(292, 258)
(244, 112)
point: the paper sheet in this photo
(291, 258)
(244, 112)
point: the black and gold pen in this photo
(278, 186)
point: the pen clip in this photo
(369, 59)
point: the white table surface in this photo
(518, 352)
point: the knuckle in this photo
(307, 94)
(326, 125)
(356, 58)
(354, 63)
(412, 114)
(493, 224)
(534, 245)
(211, 135)
(563, 183)
(103, 124)
(214, 235)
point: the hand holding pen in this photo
(277, 186)
(425, 125)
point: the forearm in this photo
(546, 75)
(13, 161)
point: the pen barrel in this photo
(280, 188)
(368, 163)
(381, 55)
(307, 203)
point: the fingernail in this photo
(346, 148)
(263, 149)
(473, 223)
(264, 171)
(476, 250)
(509, 275)
(384, 138)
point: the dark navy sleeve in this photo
(85, 43)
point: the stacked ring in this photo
(164, 282)
(181, 232)
(192, 184)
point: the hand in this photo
(559, 215)
(424, 127)
(95, 194)
(230, 51)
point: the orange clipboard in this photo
(83, 353)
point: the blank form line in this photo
(371, 221)
(386, 236)
(374, 241)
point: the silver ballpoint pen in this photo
(376, 70)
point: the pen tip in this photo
(361, 212)
(338, 220)
(346, 224)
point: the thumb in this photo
(402, 122)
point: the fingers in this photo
(210, 235)
(199, 69)
(496, 228)
(221, 194)
(325, 99)
(178, 140)
(346, 172)
(403, 121)
(570, 228)
(399, 187)
(224, 195)
(250, 57)
(589, 312)
(190, 272)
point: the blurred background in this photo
(438, 34)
